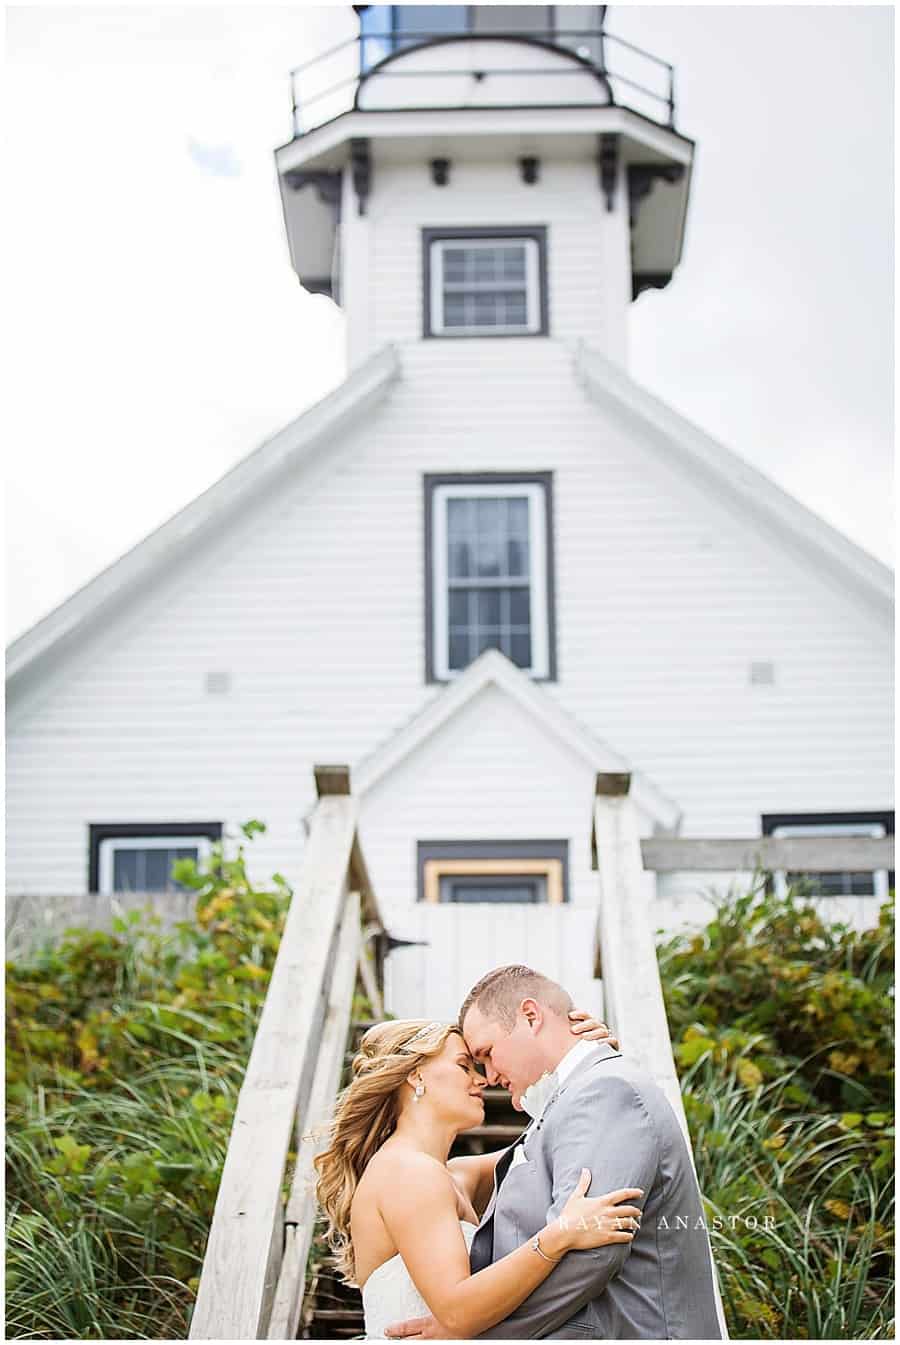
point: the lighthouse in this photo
(490, 570)
(485, 173)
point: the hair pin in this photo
(422, 1032)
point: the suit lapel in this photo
(481, 1253)
(601, 1052)
(500, 1170)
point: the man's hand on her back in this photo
(418, 1328)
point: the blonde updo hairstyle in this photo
(365, 1115)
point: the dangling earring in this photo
(420, 1092)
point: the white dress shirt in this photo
(535, 1098)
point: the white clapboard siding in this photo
(464, 942)
(664, 597)
(587, 271)
(490, 772)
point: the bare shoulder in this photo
(395, 1170)
(392, 1161)
(381, 1203)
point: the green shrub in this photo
(782, 1029)
(125, 1054)
(126, 1051)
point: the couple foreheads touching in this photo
(589, 1226)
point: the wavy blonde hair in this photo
(365, 1115)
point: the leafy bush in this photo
(125, 1054)
(782, 1028)
(126, 1051)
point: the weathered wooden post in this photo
(632, 989)
(311, 988)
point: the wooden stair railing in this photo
(253, 1277)
(626, 953)
(795, 854)
(251, 1284)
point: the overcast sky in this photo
(161, 334)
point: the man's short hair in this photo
(499, 994)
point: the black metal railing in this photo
(367, 53)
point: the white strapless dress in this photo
(389, 1294)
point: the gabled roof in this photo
(676, 438)
(252, 476)
(494, 669)
(757, 497)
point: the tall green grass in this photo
(782, 1027)
(126, 1050)
(125, 1054)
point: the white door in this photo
(462, 942)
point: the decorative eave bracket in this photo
(361, 170)
(641, 177)
(327, 185)
(607, 166)
(649, 280)
(440, 172)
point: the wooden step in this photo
(331, 1310)
(501, 1134)
(498, 1095)
(339, 1317)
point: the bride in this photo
(402, 1215)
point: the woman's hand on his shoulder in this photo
(584, 1024)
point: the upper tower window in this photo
(385, 29)
(485, 282)
(388, 28)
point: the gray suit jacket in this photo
(610, 1117)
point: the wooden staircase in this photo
(332, 1310)
(265, 1275)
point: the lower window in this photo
(832, 824)
(480, 872)
(138, 857)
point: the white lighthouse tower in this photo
(485, 190)
(490, 572)
(486, 172)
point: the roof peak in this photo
(757, 494)
(493, 668)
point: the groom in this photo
(590, 1108)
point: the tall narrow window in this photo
(490, 576)
(489, 282)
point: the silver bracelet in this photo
(535, 1246)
